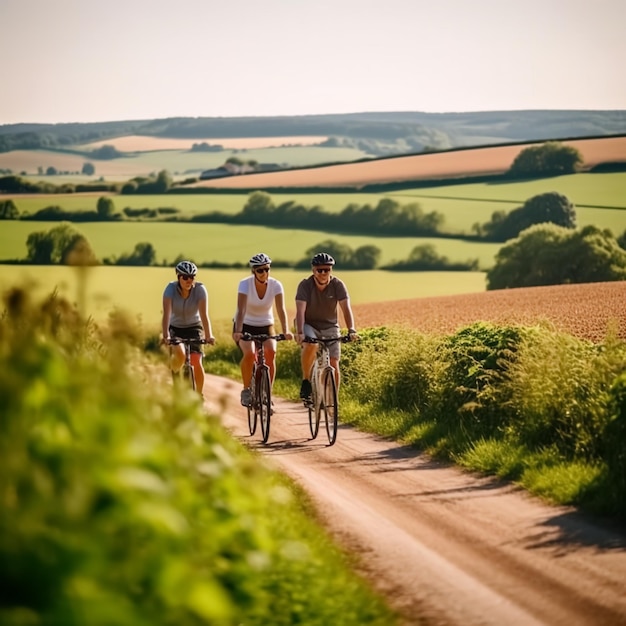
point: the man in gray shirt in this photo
(317, 298)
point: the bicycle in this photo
(260, 386)
(323, 389)
(187, 368)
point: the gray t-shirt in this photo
(321, 306)
(185, 311)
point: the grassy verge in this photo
(123, 503)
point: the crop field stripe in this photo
(503, 201)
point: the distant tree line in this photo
(148, 184)
(18, 185)
(388, 217)
(544, 254)
(206, 147)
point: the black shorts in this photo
(190, 332)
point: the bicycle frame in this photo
(187, 369)
(260, 386)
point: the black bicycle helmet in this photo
(260, 259)
(186, 267)
(322, 258)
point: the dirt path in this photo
(446, 547)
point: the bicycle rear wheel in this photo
(329, 405)
(264, 396)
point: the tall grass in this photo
(530, 404)
(123, 503)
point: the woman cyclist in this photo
(256, 296)
(186, 316)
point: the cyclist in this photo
(186, 316)
(256, 297)
(317, 298)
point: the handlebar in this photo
(328, 340)
(174, 341)
(262, 338)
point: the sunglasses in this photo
(322, 270)
(262, 270)
(186, 276)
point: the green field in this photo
(139, 290)
(606, 190)
(462, 205)
(206, 243)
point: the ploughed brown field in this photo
(480, 161)
(588, 311)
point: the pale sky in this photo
(105, 60)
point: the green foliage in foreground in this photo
(528, 404)
(122, 503)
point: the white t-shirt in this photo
(259, 312)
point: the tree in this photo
(546, 207)
(79, 252)
(39, 248)
(62, 244)
(549, 159)
(51, 171)
(106, 152)
(339, 251)
(163, 182)
(366, 258)
(550, 207)
(105, 207)
(8, 210)
(143, 255)
(547, 254)
(88, 169)
(259, 203)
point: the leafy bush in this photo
(473, 386)
(548, 159)
(560, 393)
(547, 254)
(615, 451)
(391, 368)
(551, 207)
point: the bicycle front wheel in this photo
(264, 398)
(314, 410)
(252, 409)
(329, 405)
(188, 376)
(252, 419)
